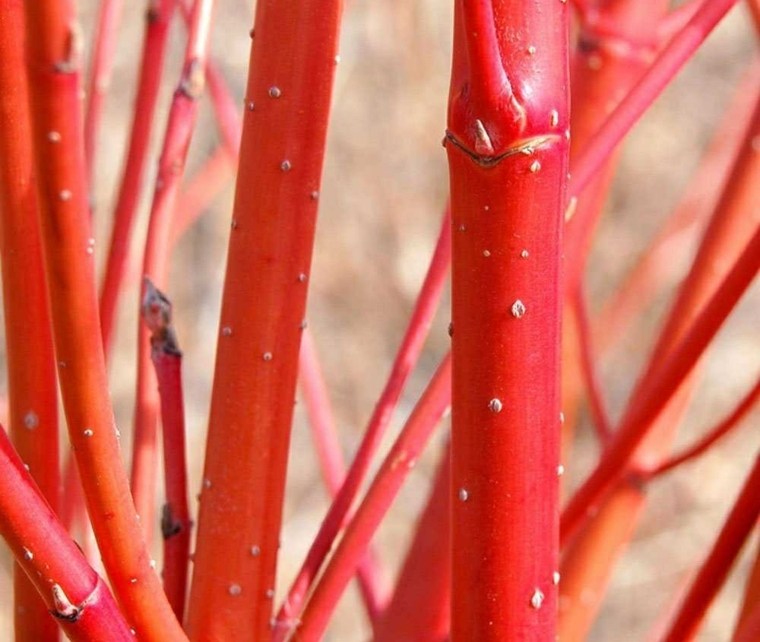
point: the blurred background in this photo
(385, 184)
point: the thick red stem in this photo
(508, 158)
(288, 97)
(53, 63)
(32, 386)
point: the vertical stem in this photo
(171, 165)
(104, 49)
(420, 607)
(287, 105)
(680, 360)
(53, 44)
(158, 17)
(32, 386)
(749, 614)
(508, 164)
(175, 521)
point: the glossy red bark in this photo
(508, 159)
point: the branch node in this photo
(64, 609)
(157, 315)
(73, 54)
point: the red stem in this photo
(52, 48)
(678, 51)
(658, 265)
(598, 409)
(158, 18)
(396, 466)
(104, 50)
(711, 436)
(419, 610)
(314, 391)
(750, 629)
(664, 381)
(171, 164)
(749, 614)
(406, 357)
(290, 84)
(175, 522)
(716, 566)
(508, 158)
(199, 192)
(32, 386)
(72, 592)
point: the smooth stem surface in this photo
(291, 73)
(678, 51)
(735, 219)
(322, 422)
(72, 592)
(420, 608)
(32, 386)
(103, 52)
(597, 406)
(715, 569)
(658, 264)
(310, 627)
(171, 164)
(711, 436)
(588, 564)
(680, 361)
(53, 63)
(611, 54)
(201, 190)
(748, 619)
(406, 358)
(175, 519)
(508, 159)
(158, 18)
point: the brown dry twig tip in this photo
(170, 524)
(64, 609)
(156, 312)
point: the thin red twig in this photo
(416, 432)
(175, 519)
(678, 363)
(171, 164)
(158, 19)
(406, 358)
(732, 420)
(597, 406)
(677, 52)
(717, 565)
(103, 52)
(73, 593)
(319, 411)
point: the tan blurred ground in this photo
(385, 183)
